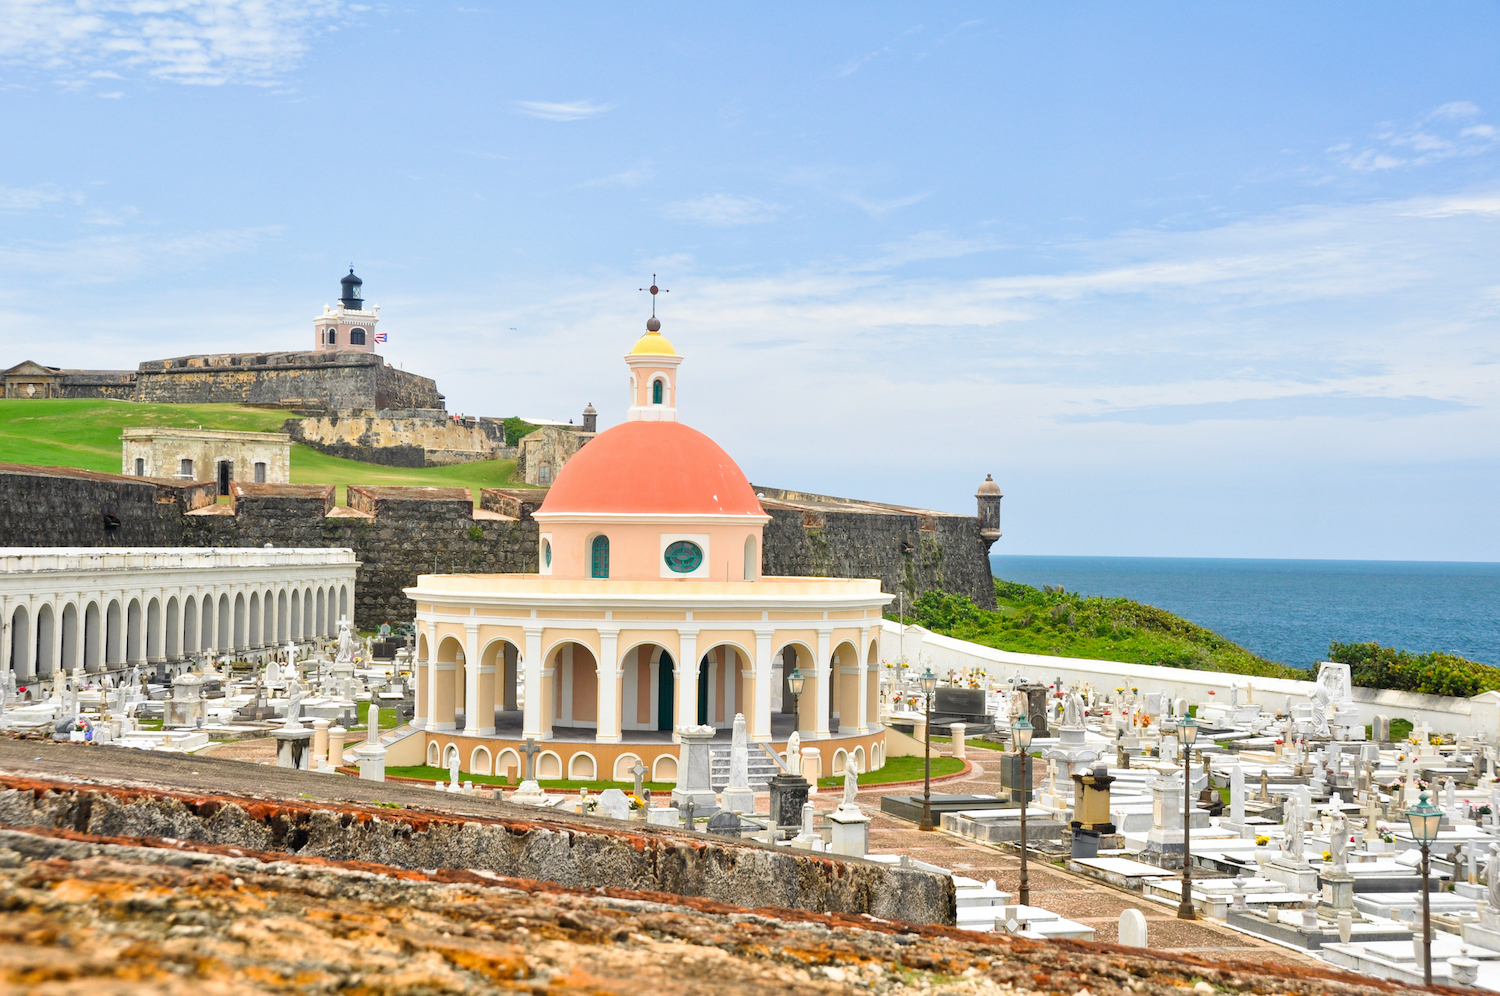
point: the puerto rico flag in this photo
(380, 337)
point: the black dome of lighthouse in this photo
(352, 295)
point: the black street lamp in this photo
(795, 681)
(1020, 735)
(1187, 732)
(929, 687)
(1424, 819)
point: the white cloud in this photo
(1455, 109)
(1479, 131)
(573, 111)
(205, 42)
(877, 208)
(723, 209)
(1449, 206)
(31, 198)
(629, 178)
(108, 258)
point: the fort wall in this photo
(397, 533)
(326, 380)
(425, 437)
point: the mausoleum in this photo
(650, 614)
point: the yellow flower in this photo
(1262, 841)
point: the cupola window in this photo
(656, 392)
(684, 557)
(600, 557)
(356, 337)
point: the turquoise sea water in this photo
(1289, 610)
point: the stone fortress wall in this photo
(398, 533)
(324, 380)
(413, 437)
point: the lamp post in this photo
(1020, 735)
(1187, 732)
(929, 686)
(1424, 819)
(795, 681)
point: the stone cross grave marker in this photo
(689, 820)
(531, 750)
(638, 772)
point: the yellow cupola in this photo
(653, 343)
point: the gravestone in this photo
(1380, 729)
(1036, 707)
(1133, 929)
(788, 795)
(738, 796)
(638, 772)
(693, 771)
(724, 824)
(613, 803)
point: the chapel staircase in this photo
(763, 765)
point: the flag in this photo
(380, 337)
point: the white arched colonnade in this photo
(104, 609)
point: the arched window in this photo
(752, 562)
(260, 473)
(600, 557)
(333, 337)
(656, 392)
(356, 337)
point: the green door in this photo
(664, 697)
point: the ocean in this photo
(1289, 610)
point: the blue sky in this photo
(1188, 280)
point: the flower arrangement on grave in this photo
(1262, 840)
(1327, 855)
(912, 701)
(636, 802)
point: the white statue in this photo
(1494, 877)
(1320, 712)
(851, 783)
(1234, 695)
(1291, 845)
(1073, 710)
(348, 642)
(794, 753)
(1338, 842)
(294, 708)
(1020, 705)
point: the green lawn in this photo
(86, 434)
(388, 720)
(426, 773)
(898, 769)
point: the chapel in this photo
(649, 615)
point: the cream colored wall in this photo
(163, 456)
(635, 549)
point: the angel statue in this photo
(1073, 710)
(348, 642)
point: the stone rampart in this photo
(325, 380)
(398, 533)
(401, 437)
(117, 384)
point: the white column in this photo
(531, 722)
(824, 667)
(864, 681)
(758, 722)
(57, 635)
(607, 702)
(432, 679)
(687, 681)
(471, 681)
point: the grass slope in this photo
(86, 434)
(1066, 624)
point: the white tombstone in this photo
(1237, 795)
(812, 768)
(613, 803)
(958, 731)
(738, 796)
(1133, 929)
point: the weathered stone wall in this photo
(117, 384)
(401, 438)
(543, 451)
(60, 506)
(326, 380)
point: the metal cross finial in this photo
(654, 291)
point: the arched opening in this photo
(872, 687)
(752, 559)
(623, 764)
(434, 754)
(172, 638)
(450, 754)
(252, 627)
(599, 557)
(646, 675)
(283, 626)
(421, 677)
(206, 627)
(501, 689)
(666, 692)
(114, 635)
(333, 619)
(319, 625)
(93, 638)
(70, 634)
(724, 677)
(575, 686)
(656, 391)
(343, 601)
(189, 626)
(447, 683)
(797, 712)
(582, 768)
(859, 760)
(46, 634)
(548, 766)
(20, 642)
(664, 769)
(225, 617)
(479, 761)
(241, 621)
(133, 633)
(508, 760)
(153, 630)
(843, 703)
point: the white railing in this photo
(31, 560)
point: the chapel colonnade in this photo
(104, 609)
(612, 673)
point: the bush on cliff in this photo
(1054, 621)
(1435, 673)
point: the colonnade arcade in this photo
(105, 610)
(643, 692)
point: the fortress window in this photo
(656, 392)
(185, 469)
(140, 467)
(356, 337)
(600, 557)
(260, 473)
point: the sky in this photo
(1188, 280)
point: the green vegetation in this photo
(515, 428)
(898, 769)
(85, 433)
(441, 774)
(972, 742)
(1434, 673)
(388, 720)
(1066, 624)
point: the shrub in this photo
(1435, 673)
